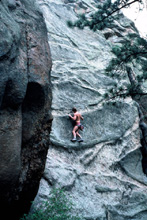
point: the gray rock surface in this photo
(25, 99)
(103, 175)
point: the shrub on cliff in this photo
(58, 207)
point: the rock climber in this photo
(78, 126)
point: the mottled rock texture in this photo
(25, 99)
(103, 174)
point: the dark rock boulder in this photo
(25, 99)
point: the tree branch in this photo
(118, 9)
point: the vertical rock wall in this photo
(25, 100)
(103, 174)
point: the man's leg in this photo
(77, 133)
(74, 133)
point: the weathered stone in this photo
(25, 99)
(103, 175)
(107, 123)
(12, 4)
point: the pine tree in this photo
(134, 48)
(104, 16)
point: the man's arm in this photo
(73, 118)
(81, 117)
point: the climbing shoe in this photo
(80, 140)
(73, 140)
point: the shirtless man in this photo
(77, 116)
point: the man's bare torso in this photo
(78, 117)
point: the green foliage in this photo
(133, 49)
(104, 16)
(119, 91)
(58, 207)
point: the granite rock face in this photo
(103, 174)
(25, 100)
